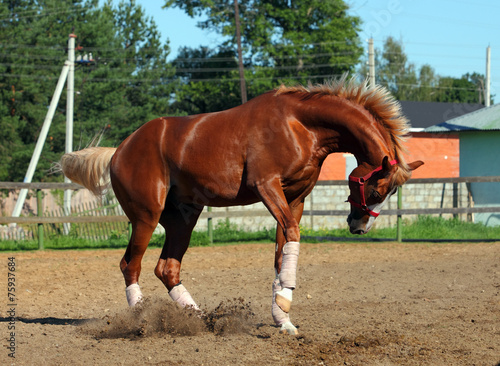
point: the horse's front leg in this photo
(287, 251)
(285, 265)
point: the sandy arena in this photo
(356, 304)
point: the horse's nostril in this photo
(357, 231)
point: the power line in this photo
(434, 55)
(276, 45)
(440, 45)
(193, 70)
(42, 13)
(133, 68)
(186, 60)
(32, 66)
(249, 79)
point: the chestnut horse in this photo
(269, 149)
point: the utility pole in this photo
(371, 63)
(69, 121)
(488, 80)
(240, 56)
(65, 74)
(41, 139)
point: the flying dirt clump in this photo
(149, 318)
(230, 317)
(158, 317)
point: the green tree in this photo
(467, 89)
(206, 72)
(427, 83)
(283, 41)
(394, 70)
(128, 84)
(29, 71)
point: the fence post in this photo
(399, 237)
(39, 209)
(455, 198)
(210, 228)
(311, 209)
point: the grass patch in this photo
(65, 242)
(224, 232)
(227, 232)
(428, 227)
(424, 228)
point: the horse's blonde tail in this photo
(89, 167)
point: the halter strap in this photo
(361, 181)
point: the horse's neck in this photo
(344, 127)
(370, 145)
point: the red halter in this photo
(361, 181)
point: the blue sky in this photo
(450, 35)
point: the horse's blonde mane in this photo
(378, 101)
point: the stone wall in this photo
(333, 197)
(323, 197)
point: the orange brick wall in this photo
(333, 167)
(439, 152)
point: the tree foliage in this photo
(283, 41)
(130, 81)
(125, 86)
(394, 70)
(209, 80)
(467, 89)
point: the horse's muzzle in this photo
(357, 231)
(354, 226)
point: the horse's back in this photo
(200, 158)
(217, 158)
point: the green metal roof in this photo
(484, 119)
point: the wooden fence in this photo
(109, 218)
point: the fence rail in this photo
(5, 220)
(40, 219)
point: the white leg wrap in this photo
(181, 296)
(284, 299)
(280, 317)
(134, 294)
(288, 272)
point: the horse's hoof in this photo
(288, 328)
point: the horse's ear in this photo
(386, 165)
(414, 165)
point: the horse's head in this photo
(370, 190)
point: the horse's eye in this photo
(375, 195)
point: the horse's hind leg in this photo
(141, 181)
(178, 220)
(143, 204)
(130, 264)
